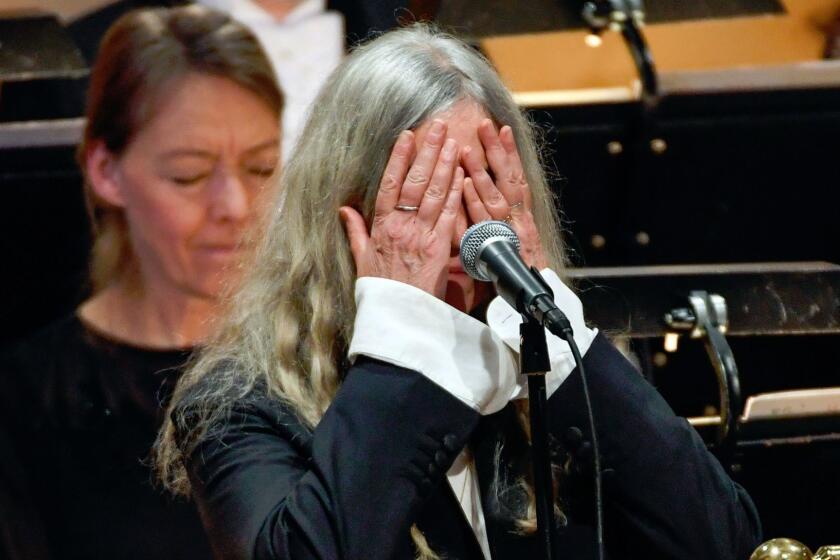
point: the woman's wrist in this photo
(405, 326)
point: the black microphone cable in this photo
(568, 336)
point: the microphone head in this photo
(479, 236)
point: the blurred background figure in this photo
(304, 42)
(182, 134)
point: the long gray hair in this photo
(290, 323)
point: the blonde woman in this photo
(356, 405)
(182, 133)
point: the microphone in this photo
(490, 253)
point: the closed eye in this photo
(261, 171)
(188, 180)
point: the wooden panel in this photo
(66, 9)
(561, 61)
(490, 18)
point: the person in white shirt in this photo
(303, 40)
(362, 398)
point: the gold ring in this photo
(405, 208)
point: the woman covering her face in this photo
(182, 134)
(362, 399)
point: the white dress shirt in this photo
(476, 363)
(304, 48)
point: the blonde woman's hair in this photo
(142, 55)
(289, 326)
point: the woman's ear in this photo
(103, 174)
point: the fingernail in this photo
(404, 137)
(437, 128)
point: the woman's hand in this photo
(506, 198)
(415, 214)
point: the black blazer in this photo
(267, 487)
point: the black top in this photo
(80, 413)
(269, 488)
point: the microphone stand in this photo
(534, 362)
(627, 16)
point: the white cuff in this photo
(504, 320)
(407, 327)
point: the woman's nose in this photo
(229, 197)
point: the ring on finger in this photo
(406, 208)
(517, 205)
(507, 219)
